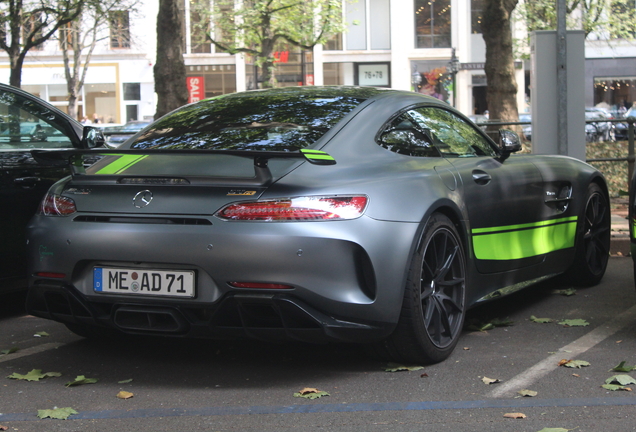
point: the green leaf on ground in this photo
(620, 380)
(395, 367)
(540, 320)
(311, 393)
(81, 379)
(487, 380)
(34, 375)
(576, 364)
(622, 367)
(528, 393)
(9, 351)
(574, 323)
(478, 325)
(615, 387)
(57, 413)
(41, 334)
(565, 292)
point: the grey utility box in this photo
(544, 93)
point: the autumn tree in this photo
(27, 24)
(79, 38)
(501, 93)
(255, 27)
(170, 71)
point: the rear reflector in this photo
(51, 275)
(312, 208)
(259, 285)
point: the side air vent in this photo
(144, 220)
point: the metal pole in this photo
(562, 84)
(630, 150)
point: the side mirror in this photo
(509, 142)
(92, 138)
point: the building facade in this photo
(430, 46)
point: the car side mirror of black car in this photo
(92, 138)
(509, 142)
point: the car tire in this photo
(593, 240)
(434, 302)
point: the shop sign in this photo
(373, 74)
(196, 88)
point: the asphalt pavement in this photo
(250, 386)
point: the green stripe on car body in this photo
(122, 163)
(317, 156)
(525, 240)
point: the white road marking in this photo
(30, 351)
(584, 343)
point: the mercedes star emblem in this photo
(142, 199)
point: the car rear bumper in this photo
(270, 317)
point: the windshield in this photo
(259, 120)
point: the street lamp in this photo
(453, 68)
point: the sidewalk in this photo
(619, 245)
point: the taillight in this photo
(296, 209)
(57, 205)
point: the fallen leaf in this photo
(3, 428)
(576, 364)
(394, 367)
(125, 381)
(41, 334)
(34, 375)
(621, 380)
(515, 415)
(574, 323)
(57, 413)
(9, 351)
(527, 393)
(487, 380)
(466, 348)
(311, 393)
(540, 320)
(124, 395)
(81, 379)
(565, 292)
(621, 367)
(424, 375)
(576, 375)
(613, 387)
(563, 361)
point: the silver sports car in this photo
(315, 214)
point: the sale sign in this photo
(196, 88)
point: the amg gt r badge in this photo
(240, 192)
(142, 199)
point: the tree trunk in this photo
(16, 60)
(170, 72)
(501, 93)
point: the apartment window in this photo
(199, 26)
(432, 23)
(67, 34)
(476, 13)
(119, 29)
(132, 91)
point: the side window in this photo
(24, 125)
(405, 137)
(450, 134)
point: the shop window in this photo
(616, 94)
(132, 112)
(215, 79)
(119, 29)
(432, 23)
(101, 102)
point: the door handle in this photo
(481, 177)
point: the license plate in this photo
(147, 282)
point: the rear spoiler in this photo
(262, 175)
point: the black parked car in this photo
(27, 123)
